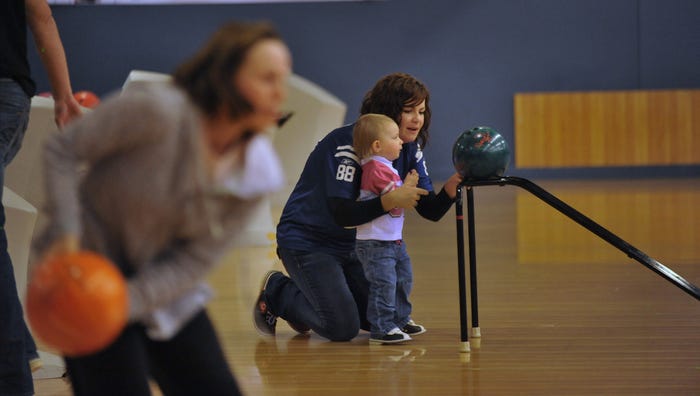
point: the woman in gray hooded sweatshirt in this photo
(161, 179)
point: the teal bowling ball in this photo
(481, 153)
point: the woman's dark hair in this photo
(392, 93)
(208, 76)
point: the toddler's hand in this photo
(411, 178)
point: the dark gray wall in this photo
(473, 54)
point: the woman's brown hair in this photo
(392, 93)
(208, 76)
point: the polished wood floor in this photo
(561, 311)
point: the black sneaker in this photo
(264, 320)
(412, 328)
(392, 337)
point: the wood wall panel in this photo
(607, 128)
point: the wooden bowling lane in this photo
(580, 319)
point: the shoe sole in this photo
(268, 275)
(262, 332)
(256, 309)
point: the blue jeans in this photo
(326, 292)
(16, 343)
(387, 267)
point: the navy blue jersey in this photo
(333, 170)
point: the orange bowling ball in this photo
(87, 99)
(77, 303)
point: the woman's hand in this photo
(405, 197)
(66, 109)
(451, 185)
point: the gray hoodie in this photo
(131, 180)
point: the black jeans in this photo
(191, 363)
(326, 292)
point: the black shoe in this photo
(412, 328)
(263, 319)
(392, 337)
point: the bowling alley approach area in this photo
(561, 311)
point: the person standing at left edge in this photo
(17, 347)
